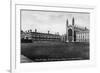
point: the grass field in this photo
(55, 51)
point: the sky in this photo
(54, 22)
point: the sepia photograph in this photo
(50, 36)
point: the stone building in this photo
(37, 36)
(75, 33)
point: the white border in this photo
(15, 48)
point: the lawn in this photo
(55, 51)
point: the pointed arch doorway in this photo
(70, 35)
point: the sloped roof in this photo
(77, 28)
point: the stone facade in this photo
(37, 36)
(75, 33)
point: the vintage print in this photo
(48, 36)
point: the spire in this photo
(73, 21)
(67, 30)
(67, 22)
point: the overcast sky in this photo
(52, 21)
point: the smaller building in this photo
(82, 36)
(37, 36)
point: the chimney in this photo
(35, 30)
(57, 33)
(30, 30)
(48, 32)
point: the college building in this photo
(37, 36)
(73, 34)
